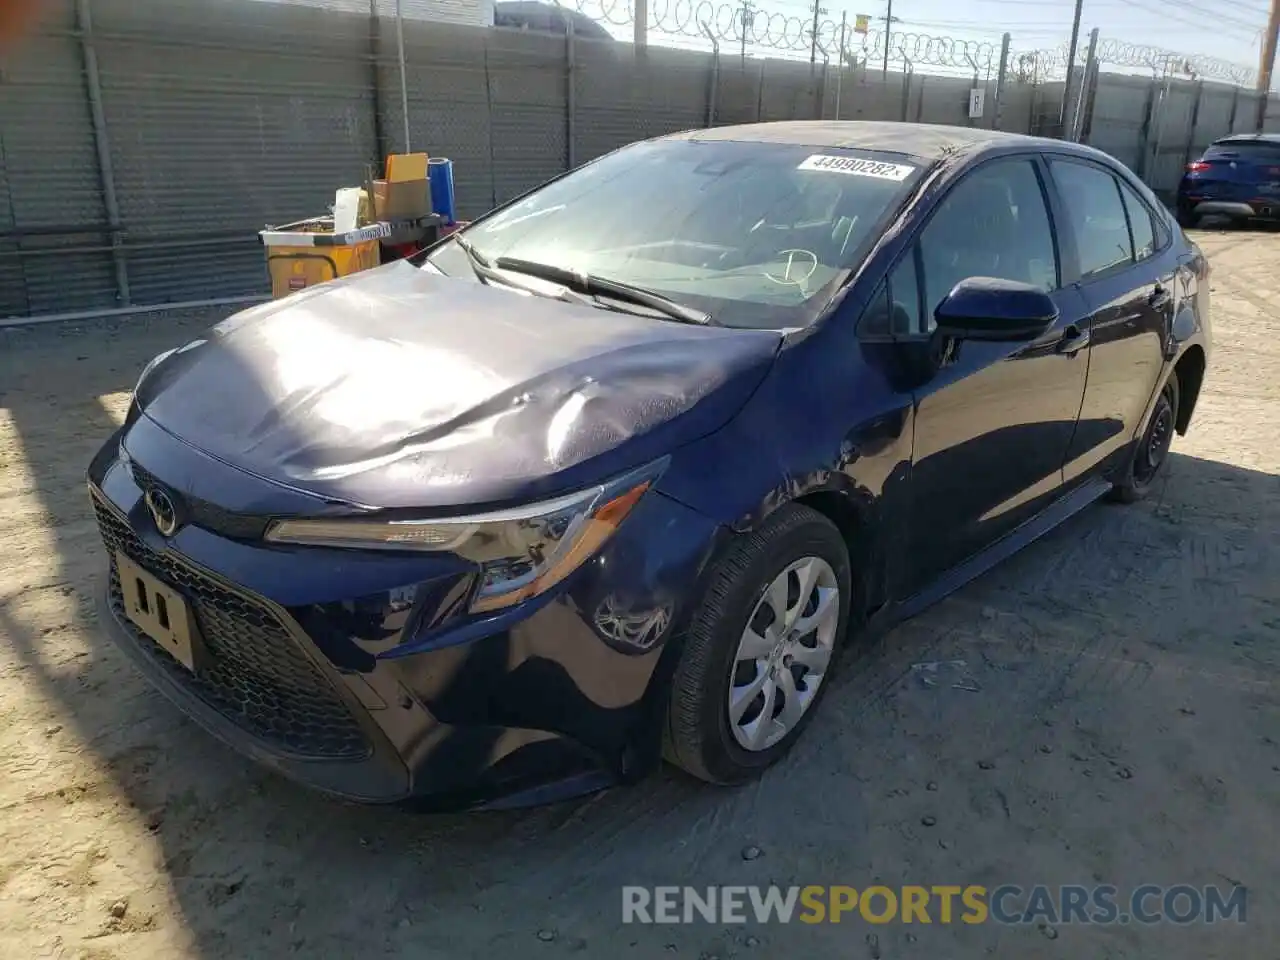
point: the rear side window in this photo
(1096, 212)
(1140, 224)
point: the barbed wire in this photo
(746, 24)
(1121, 54)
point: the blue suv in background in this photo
(1238, 177)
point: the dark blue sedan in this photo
(623, 469)
(1238, 177)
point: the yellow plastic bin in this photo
(303, 254)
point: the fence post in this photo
(1195, 120)
(906, 92)
(1091, 104)
(840, 60)
(713, 84)
(570, 96)
(821, 106)
(1144, 135)
(488, 119)
(106, 174)
(1002, 77)
(381, 146)
(1077, 116)
(760, 92)
(404, 76)
(1235, 106)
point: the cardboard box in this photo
(406, 166)
(406, 200)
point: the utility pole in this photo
(1268, 62)
(818, 9)
(641, 35)
(746, 17)
(404, 80)
(888, 27)
(1071, 62)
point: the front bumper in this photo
(358, 674)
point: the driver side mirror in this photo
(987, 308)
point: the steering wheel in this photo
(800, 266)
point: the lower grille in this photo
(258, 677)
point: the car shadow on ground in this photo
(996, 734)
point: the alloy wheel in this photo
(783, 654)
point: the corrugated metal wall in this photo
(49, 180)
(223, 117)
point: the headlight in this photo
(521, 552)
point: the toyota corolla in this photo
(622, 470)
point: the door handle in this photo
(1073, 341)
(1160, 298)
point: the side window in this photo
(904, 297)
(877, 318)
(993, 224)
(895, 308)
(1093, 205)
(1140, 225)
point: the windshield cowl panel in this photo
(752, 234)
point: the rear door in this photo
(1126, 273)
(1237, 171)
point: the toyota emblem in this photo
(163, 511)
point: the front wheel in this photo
(761, 647)
(1152, 450)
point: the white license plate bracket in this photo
(159, 611)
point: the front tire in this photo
(1152, 450)
(761, 648)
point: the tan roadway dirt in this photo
(1119, 689)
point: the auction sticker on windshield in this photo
(858, 167)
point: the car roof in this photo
(1273, 138)
(924, 140)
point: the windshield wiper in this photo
(486, 273)
(483, 269)
(602, 286)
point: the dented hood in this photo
(401, 388)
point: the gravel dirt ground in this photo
(1116, 719)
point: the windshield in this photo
(755, 234)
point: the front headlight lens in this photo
(521, 552)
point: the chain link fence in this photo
(144, 143)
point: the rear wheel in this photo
(761, 648)
(1188, 217)
(1152, 450)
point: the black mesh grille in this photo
(202, 513)
(257, 676)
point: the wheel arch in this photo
(1189, 371)
(853, 519)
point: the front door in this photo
(994, 424)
